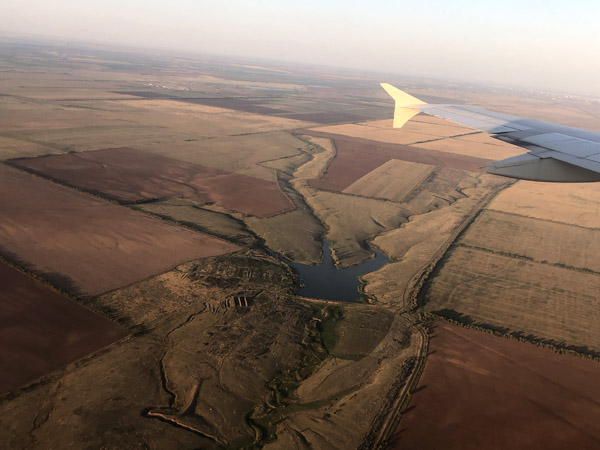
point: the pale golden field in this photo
(576, 204)
(440, 189)
(206, 121)
(393, 180)
(541, 300)
(245, 155)
(540, 240)
(529, 263)
(416, 243)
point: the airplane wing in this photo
(554, 152)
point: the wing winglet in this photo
(405, 104)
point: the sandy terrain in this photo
(41, 330)
(130, 175)
(480, 391)
(85, 245)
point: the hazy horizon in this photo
(543, 45)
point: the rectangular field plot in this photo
(84, 245)
(393, 180)
(207, 121)
(129, 175)
(574, 203)
(480, 391)
(41, 330)
(541, 240)
(356, 157)
(517, 295)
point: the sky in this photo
(549, 45)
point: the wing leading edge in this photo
(555, 152)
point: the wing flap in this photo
(552, 166)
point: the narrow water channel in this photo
(326, 281)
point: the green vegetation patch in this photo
(319, 338)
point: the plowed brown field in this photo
(479, 391)
(356, 157)
(130, 175)
(40, 330)
(85, 245)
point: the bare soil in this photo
(41, 330)
(130, 175)
(481, 391)
(85, 245)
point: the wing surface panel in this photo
(555, 152)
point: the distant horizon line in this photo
(65, 41)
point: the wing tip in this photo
(401, 98)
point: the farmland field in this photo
(193, 214)
(216, 162)
(418, 129)
(393, 180)
(540, 301)
(294, 234)
(480, 391)
(576, 203)
(130, 175)
(41, 330)
(357, 157)
(541, 240)
(85, 245)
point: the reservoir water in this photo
(326, 281)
